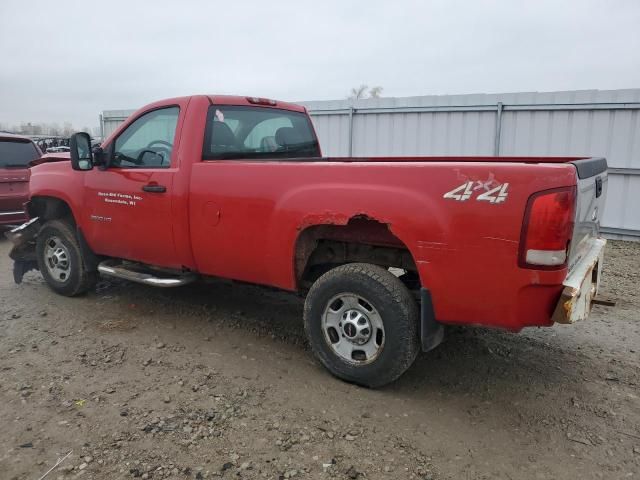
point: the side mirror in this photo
(81, 155)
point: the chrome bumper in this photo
(581, 286)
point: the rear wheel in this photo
(362, 324)
(60, 260)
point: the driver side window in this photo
(148, 141)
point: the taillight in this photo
(547, 228)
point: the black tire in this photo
(393, 303)
(77, 280)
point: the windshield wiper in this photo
(14, 165)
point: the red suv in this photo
(16, 152)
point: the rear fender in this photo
(343, 202)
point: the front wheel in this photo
(362, 324)
(60, 260)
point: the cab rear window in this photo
(17, 153)
(237, 132)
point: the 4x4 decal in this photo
(466, 190)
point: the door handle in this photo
(154, 188)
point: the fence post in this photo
(351, 111)
(496, 145)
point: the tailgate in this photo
(587, 249)
(591, 194)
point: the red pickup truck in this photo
(386, 250)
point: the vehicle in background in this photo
(386, 250)
(16, 154)
(58, 149)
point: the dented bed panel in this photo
(581, 286)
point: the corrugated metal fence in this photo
(111, 119)
(589, 123)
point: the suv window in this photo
(148, 141)
(17, 153)
(258, 132)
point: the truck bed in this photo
(468, 247)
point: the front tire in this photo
(362, 324)
(60, 260)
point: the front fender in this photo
(59, 181)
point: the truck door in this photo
(127, 207)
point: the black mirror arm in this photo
(105, 157)
(98, 155)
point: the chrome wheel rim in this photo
(353, 328)
(57, 259)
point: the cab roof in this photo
(228, 100)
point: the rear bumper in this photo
(581, 286)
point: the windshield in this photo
(257, 132)
(17, 153)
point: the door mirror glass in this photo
(81, 156)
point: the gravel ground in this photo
(214, 380)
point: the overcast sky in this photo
(65, 60)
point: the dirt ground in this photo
(214, 380)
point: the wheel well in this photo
(322, 247)
(52, 208)
(49, 208)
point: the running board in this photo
(135, 273)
